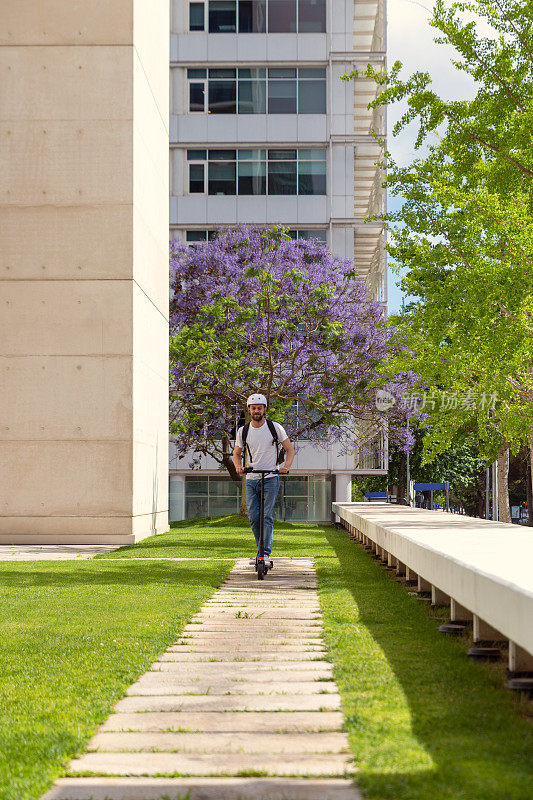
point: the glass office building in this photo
(264, 130)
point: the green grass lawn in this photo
(424, 722)
(73, 636)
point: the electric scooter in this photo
(261, 567)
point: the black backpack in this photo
(275, 441)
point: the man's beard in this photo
(258, 414)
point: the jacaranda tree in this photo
(253, 310)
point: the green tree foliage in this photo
(464, 234)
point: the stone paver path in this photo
(52, 552)
(243, 706)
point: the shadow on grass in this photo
(66, 573)
(472, 736)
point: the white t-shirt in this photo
(264, 453)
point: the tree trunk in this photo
(400, 494)
(504, 511)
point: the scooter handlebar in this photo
(262, 471)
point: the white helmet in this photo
(257, 398)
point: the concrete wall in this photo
(83, 270)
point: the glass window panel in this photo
(321, 508)
(252, 155)
(282, 97)
(252, 97)
(282, 16)
(195, 507)
(196, 16)
(222, 155)
(252, 16)
(311, 234)
(312, 154)
(278, 155)
(223, 487)
(252, 177)
(222, 97)
(196, 97)
(222, 506)
(311, 177)
(196, 155)
(252, 73)
(196, 179)
(221, 178)
(195, 236)
(312, 97)
(296, 487)
(222, 72)
(282, 72)
(311, 16)
(222, 16)
(197, 73)
(212, 235)
(312, 72)
(282, 177)
(194, 486)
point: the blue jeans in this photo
(253, 501)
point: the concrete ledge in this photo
(484, 567)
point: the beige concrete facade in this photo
(84, 129)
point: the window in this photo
(197, 82)
(311, 16)
(282, 16)
(287, 90)
(258, 172)
(312, 172)
(193, 237)
(211, 496)
(222, 16)
(252, 16)
(221, 172)
(282, 172)
(222, 91)
(196, 16)
(312, 91)
(252, 172)
(258, 16)
(252, 91)
(282, 90)
(319, 234)
(196, 159)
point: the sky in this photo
(410, 40)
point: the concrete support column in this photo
(519, 659)
(423, 585)
(391, 560)
(84, 270)
(439, 598)
(482, 631)
(459, 612)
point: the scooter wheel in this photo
(260, 571)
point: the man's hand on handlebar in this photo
(283, 470)
(240, 470)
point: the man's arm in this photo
(237, 459)
(289, 455)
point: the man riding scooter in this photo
(259, 440)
